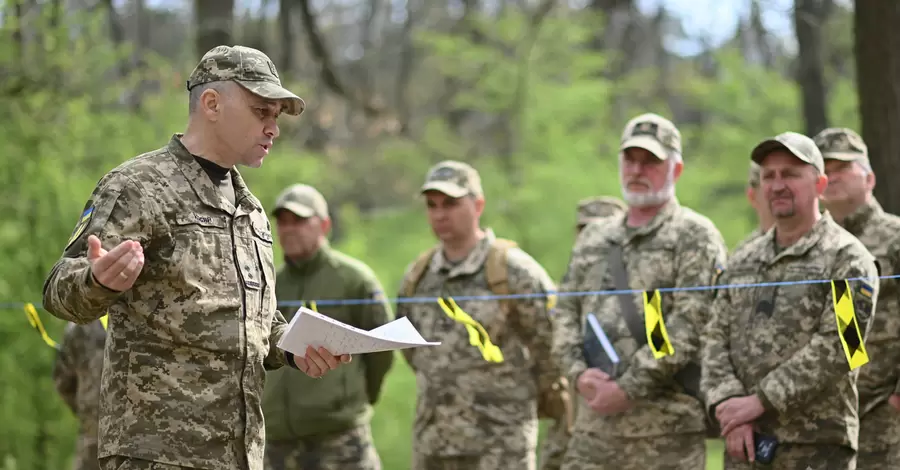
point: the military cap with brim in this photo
(303, 200)
(840, 143)
(453, 178)
(653, 133)
(798, 145)
(249, 67)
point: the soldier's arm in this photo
(568, 334)
(822, 361)
(718, 380)
(372, 316)
(65, 380)
(278, 358)
(699, 260)
(118, 210)
(532, 315)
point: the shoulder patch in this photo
(82, 224)
(864, 289)
(377, 295)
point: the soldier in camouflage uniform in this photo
(774, 368)
(557, 438)
(644, 416)
(757, 201)
(76, 375)
(850, 202)
(188, 281)
(327, 427)
(472, 414)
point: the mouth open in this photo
(266, 147)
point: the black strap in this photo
(689, 375)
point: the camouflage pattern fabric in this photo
(76, 376)
(880, 378)
(126, 463)
(466, 406)
(590, 451)
(249, 67)
(678, 248)
(556, 441)
(756, 233)
(501, 459)
(349, 450)
(805, 457)
(781, 342)
(189, 343)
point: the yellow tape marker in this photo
(848, 328)
(35, 322)
(478, 336)
(104, 320)
(657, 336)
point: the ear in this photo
(479, 206)
(679, 167)
(211, 102)
(326, 225)
(870, 180)
(751, 196)
(821, 184)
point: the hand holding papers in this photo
(309, 328)
(598, 350)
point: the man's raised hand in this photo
(116, 269)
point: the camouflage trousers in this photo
(86, 455)
(118, 462)
(348, 450)
(492, 460)
(553, 449)
(673, 452)
(804, 457)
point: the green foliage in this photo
(61, 136)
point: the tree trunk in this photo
(286, 33)
(214, 21)
(877, 53)
(809, 18)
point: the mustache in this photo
(640, 181)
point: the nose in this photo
(271, 130)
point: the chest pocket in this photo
(201, 251)
(791, 311)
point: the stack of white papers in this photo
(309, 328)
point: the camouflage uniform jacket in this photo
(189, 343)
(756, 233)
(781, 342)
(880, 378)
(466, 405)
(76, 376)
(677, 248)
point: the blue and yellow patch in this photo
(82, 224)
(865, 289)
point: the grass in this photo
(392, 424)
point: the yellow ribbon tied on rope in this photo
(35, 322)
(478, 336)
(848, 328)
(657, 336)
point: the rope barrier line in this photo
(416, 300)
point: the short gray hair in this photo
(194, 96)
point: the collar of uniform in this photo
(626, 234)
(857, 220)
(307, 266)
(204, 187)
(470, 264)
(804, 244)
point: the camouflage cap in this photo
(753, 177)
(453, 178)
(250, 68)
(653, 133)
(303, 200)
(839, 143)
(596, 207)
(798, 145)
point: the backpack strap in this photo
(496, 272)
(411, 280)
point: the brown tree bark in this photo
(809, 19)
(214, 21)
(877, 50)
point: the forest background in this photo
(533, 93)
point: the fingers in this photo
(119, 268)
(595, 374)
(734, 445)
(747, 439)
(95, 249)
(330, 360)
(894, 400)
(346, 358)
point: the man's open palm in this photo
(116, 269)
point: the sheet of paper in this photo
(309, 328)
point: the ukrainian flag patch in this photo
(82, 224)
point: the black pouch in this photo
(765, 447)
